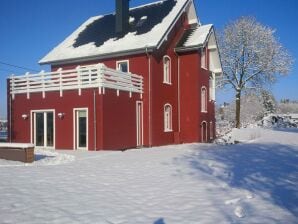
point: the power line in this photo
(7, 70)
(16, 66)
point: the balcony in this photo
(83, 77)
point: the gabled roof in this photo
(194, 38)
(96, 38)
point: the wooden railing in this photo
(83, 77)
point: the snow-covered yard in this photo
(252, 182)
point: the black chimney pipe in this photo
(122, 16)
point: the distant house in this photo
(139, 77)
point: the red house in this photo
(143, 76)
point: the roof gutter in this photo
(98, 57)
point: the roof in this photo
(194, 37)
(149, 25)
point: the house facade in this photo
(141, 77)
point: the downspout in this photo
(150, 118)
(94, 118)
(178, 83)
(10, 122)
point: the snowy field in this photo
(251, 182)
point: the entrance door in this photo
(204, 131)
(44, 129)
(81, 131)
(139, 121)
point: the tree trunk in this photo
(238, 104)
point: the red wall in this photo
(164, 93)
(192, 79)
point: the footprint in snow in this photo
(239, 212)
(232, 201)
(250, 196)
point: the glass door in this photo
(81, 129)
(44, 129)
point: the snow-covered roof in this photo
(149, 25)
(195, 37)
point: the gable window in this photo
(122, 66)
(203, 58)
(167, 118)
(166, 70)
(203, 99)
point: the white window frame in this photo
(168, 118)
(204, 100)
(203, 58)
(167, 72)
(75, 140)
(122, 61)
(202, 132)
(33, 126)
(212, 87)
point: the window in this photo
(122, 66)
(203, 58)
(212, 87)
(167, 118)
(203, 99)
(166, 70)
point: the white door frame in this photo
(202, 132)
(75, 129)
(139, 123)
(33, 128)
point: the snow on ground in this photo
(253, 182)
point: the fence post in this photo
(79, 79)
(27, 85)
(60, 81)
(12, 84)
(42, 83)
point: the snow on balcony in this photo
(83, 77)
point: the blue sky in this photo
(30, 29)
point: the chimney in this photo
(122, 16)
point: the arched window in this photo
(204, 131)
(167, 117)
(167, 69)
(203, 99)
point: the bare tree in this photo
(251, 57)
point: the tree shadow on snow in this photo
(159, 221)
(38, 157)
(292, 130)
(260, 168)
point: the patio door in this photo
(44, 129)
(139, 121)
(81, 129)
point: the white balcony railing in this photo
(83, 77)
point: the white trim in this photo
(140, 142)
(167, 73)
(121, 61)
(75, 132)
(204, 58)
(204, 101)
(170, 119)
(202, 131)
(33, 124)
(83, 77)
